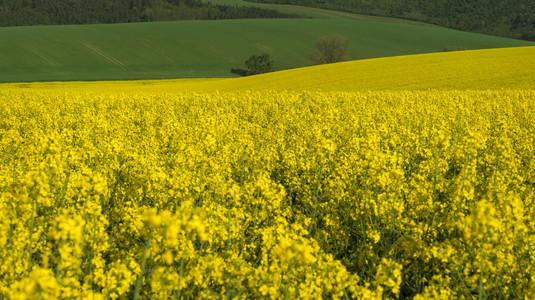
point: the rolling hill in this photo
(507, 18)
(195, 49)
(489, 69)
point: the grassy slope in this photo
(475, 70)
(206, 48)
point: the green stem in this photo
(316, 200)
(32, 224)
(139, 280)
(432, 223)
(92, 253)
(481, 288)
(63, 191)
(181, 271)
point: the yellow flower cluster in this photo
(385, 194)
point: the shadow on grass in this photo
(240, 72)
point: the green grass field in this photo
(187, 49)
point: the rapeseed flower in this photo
(306, 195)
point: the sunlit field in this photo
(167, 193)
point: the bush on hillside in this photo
(330, 49)
(258, 64)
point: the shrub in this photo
(258, 64)
(330, 49)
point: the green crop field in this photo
(186, 49)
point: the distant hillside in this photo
(488, 69)
(63, 12)
(184, 49)
(508, 18)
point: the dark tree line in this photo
(509, 18)
(61, 12)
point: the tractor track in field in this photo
(41, 55)
(103, 54)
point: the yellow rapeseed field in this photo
(125, 190)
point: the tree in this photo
(258, 64)
(330, 49)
